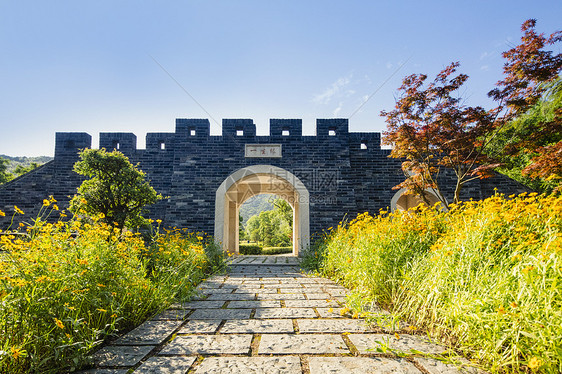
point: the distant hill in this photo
(254, 205)
(25, 161)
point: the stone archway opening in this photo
(278, 228)
(403, 201)
(255, 180)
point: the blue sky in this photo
(89, 66)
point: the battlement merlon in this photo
(124, 142)
(238, 127)
(193, 127)
(68, 144)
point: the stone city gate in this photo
(331, 176)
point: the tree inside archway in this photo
(272, 228)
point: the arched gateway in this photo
(327, 177)
(255, 180)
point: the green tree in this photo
(529, 95)
(272, 227)
(518, 161)
(5, 176)
(21, 170)
(253, 228)
(115, 188)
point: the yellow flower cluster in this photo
(485, 273)
(81, 278)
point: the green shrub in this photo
(250, 249)
(276, 250)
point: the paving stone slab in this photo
(217, 290)
(308, 280)
(367, 343)
(211, 284)
(171, 314)
(331, 325)
(230, 285)
(334, 287)
(204, 304)
(329, 312)
(336, 292)
(312, 289)
(434, 366)
(149, 333)
(232, 296)
(261, 281)
(114, 355)
(276, 286)
(200, 327)
(301, 344)
(254, 304)
(250, 365)
(280, 296)
(310, 304)
(360, 365)
(318, 296)
(221, 314)
(165, 365)
(285, 313)
(103, 371)
(208, 344)
(256, 290)
(291, 290)
(257, 326)
(180, 305)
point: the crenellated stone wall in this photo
(344, 172)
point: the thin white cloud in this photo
(332, 91)
(338, 109)
(484, 67)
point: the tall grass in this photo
(66, 286)
(485, 277)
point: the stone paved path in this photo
(264, 317)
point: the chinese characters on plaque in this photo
(263, 150)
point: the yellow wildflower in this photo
(59, 323)
(534, 363)
(396, 335)
(501, 310)
(46, 202)
(16, 352)
(18, 210)
(101, 310)
(2, 214)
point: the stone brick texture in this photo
(343, 177)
